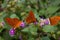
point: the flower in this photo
(2, 24)
(22, 24)
(46, 21)
(12, 32)
(42, 24)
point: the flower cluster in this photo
(44, 22)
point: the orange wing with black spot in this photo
(54, 20)
(13, 22)
(31, 18)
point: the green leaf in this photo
(45, 38)
(6, 36)
(18, 14)
(1, 38)
(36, 15)
(13, 16)
(55, 2)
(49, 28)
(2, 16)
(31, 38)
(33, 1)
(58, 13)
(4, 4)
(52, 9)
(1, 19)
(25, 30)
(7, 26)
(1, 30)
(42, 12)
(31, 29)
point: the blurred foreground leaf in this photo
(48, 28)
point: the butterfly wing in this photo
(28, 20)
(57, 17)
(31, 18)
(9, 21)
(54, 20)
(31, 14)
(15, 23)
(15, 20)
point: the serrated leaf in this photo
(48, 28)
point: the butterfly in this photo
(54, 20)
(30, 18)
(13, 22)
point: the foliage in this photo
(20, 9)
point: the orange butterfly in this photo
(54, 20)
(31, 18)
(14, 22)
